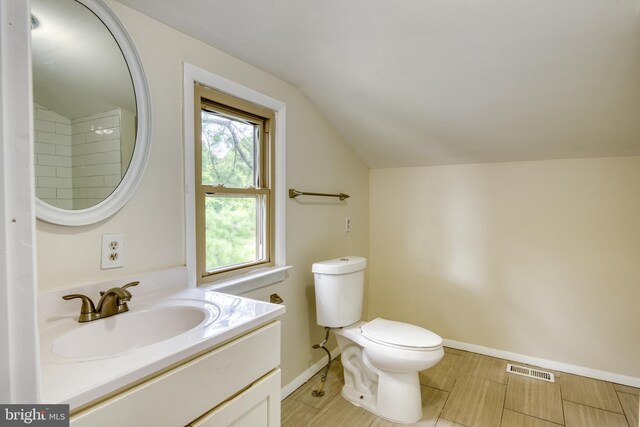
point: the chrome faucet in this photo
(113, 301)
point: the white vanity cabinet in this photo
(236, 384)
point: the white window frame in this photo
(260, 277)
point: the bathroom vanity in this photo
(161, 353)
(179, 357)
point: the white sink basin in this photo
(119, 334)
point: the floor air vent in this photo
(531, 373)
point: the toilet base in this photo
(399, 397)
(367, 402)
(405, 407)
(393, 396)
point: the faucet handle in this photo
(129, 285)
(87, 310)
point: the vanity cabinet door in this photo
(257, 406)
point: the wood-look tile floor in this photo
(471, 390)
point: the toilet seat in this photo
(400, 335)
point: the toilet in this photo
(381, 358)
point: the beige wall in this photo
(153, 220)
(537, 258)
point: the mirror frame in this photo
(123, 192)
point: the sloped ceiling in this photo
(427, 82)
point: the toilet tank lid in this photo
(400, 334)
(342, 265)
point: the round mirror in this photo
(91, 112)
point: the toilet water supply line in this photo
(319, 392)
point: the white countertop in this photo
(80, 381)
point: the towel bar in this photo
(295, 193)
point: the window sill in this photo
(250, 281)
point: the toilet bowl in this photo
(381, 358)
(381, 369)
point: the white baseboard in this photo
(544, 363)
(306, 375)
(515, 357)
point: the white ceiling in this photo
(426, 82)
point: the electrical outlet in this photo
(347, 225)
(112, 251)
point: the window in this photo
(234, 175)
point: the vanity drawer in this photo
(183, 394)
(258, 406)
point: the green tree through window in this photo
(233, 209)
(228, 151)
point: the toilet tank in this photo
(339, 286)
